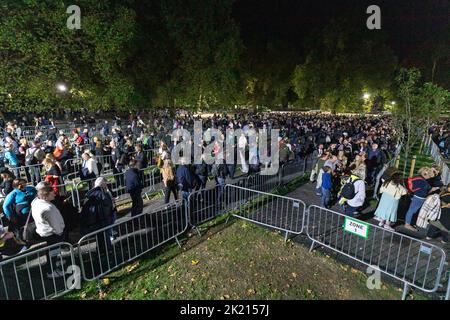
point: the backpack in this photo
(409, 184)
(30, 159)
(348, 190)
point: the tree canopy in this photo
(136, 54)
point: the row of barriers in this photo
(103, 251)
(414, 262)
(433, 150)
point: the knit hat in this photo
(100, 182)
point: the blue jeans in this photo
(231, 170)
(319, 191)
(349, 210)
(325, 198)
(416, 204)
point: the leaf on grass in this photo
(106, 281)
(83, 295)
(145, 291)
(294, 274)
(132, 267)
(102, 295)
(194, 262)
(354, 270)
(251, 291)
(309, 291)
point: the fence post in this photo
(405, 291)
(447, 295)
(421, 145)
(413, 164)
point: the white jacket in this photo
(360, 194)
(91, 165)
(47, 218)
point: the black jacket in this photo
(133, 181)
(97, 212)
(201, 169)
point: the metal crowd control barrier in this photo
(32, 173)
(73, 167)
(437, 157)
(105, 250)
(412, 261)
(151, 178)
(385, 167)
(31, 276)
(262, 182)
(206, 204)
(274, 211)
(292, 168)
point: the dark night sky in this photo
(408, 23)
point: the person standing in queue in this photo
(133, 185)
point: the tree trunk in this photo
(433, 70)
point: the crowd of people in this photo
(348, 154)
(441, 137)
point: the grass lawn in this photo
(237, 260)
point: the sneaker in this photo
(388, 228)
(381, 224)
(410, 227)
(428, 238)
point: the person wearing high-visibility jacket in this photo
(353, 194)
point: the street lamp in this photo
(61, 87)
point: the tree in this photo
(342, 63)
(419, 106)
(38, 51)
(207, 49)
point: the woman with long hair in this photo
(358, 167)
(169, 181)
(52, 172)
(392, 190)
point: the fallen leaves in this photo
(132, 267)
(194, 262)
(251, 291)
(294, 274)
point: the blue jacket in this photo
(326, 181)
(184, 178)
(133, 180)
(19, 199)
(12, 158)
